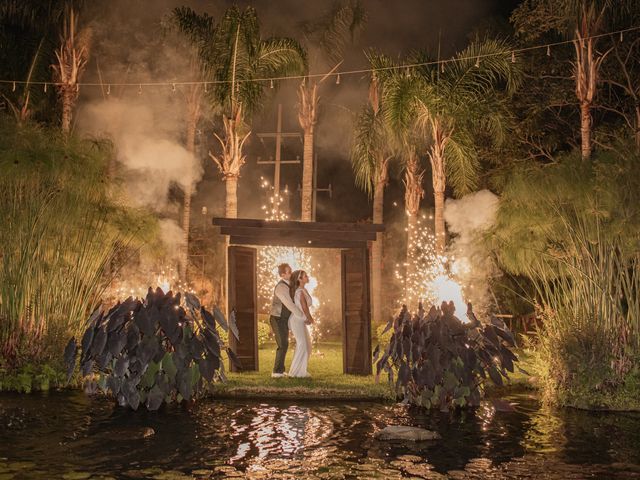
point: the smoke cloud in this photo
(468, 218)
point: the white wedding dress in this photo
(303, 338)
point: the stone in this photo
(76, 476)
(412, 434)
(148, 432)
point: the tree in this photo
(326, 40)
(71, 60)
(370, 156)
(234, 56)
(453, 108)
(579, 20)
(196, 29)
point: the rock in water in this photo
(148, 432)
(413, 434)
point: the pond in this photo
(67, 435)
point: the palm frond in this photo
(462, 164)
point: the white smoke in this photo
(468, 218)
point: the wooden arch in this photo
(353, 241)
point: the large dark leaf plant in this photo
(163, 348)
(434, 360)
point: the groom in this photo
(281, 308)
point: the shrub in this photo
(436, 361)
(383, 334)
(152, 351)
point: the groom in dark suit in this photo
(281, 307)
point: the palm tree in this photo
(580, 20)
(71, 60)
(234, 56)
(451, 108)
(326, 39)
(370, 156)
(196, 29)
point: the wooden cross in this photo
(278, 135)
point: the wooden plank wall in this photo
(356, 312)
(243, 298)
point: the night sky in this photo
(127, 46)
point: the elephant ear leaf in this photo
(220, 319)
(234, 359)
(155, 398)
(233, 326)
(70, 354)
(192, 301)
(209, 320)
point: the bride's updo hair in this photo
(294, 283)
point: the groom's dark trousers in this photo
(280, 326)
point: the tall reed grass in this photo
(61, 229)
(573, 228)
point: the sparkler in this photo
(298, 258)
(429, 277)
(167, 279)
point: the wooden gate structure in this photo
(351, 238)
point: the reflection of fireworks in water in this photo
(299, 259)
(430, 277)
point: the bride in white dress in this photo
(298, 324)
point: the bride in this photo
(298, 324)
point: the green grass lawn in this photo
(327, 379)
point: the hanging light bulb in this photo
(513, 57)
(408, 72)
(108, 89)
(205, 88)
(478, 61)
(173, 87)
(548, 50)
(13, 89)
(77, 87)
(140, 89)
(442, 67)
(45, 88)
(271, 83)
(338, 80)
(621, 37)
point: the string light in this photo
(338, 80)
(478, 61)
(173, 87)
(45, 88)
(14, 87)
(139, 89)
(442, 69)
(108, 89)
(205, 88)
(513, 57)
(346, 72)
(621, 37)
(271, 83)
(548, 50)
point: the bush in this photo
(573, 228)
(264, 334)
(65, 228)
(30, 377)
(383, 336)
(436, 361)
(152, 351)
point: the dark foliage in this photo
(436, 361)
(152, 351)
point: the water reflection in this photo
(47, 436)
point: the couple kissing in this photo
(290, 311)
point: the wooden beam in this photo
(302, 226)
(284, 242)
(297, 235)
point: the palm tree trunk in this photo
(637, 132)
(307, 177)
(193, 114)
(585, 129)
(231, 202)
(377, 251)
(439, 179)
(412, 196)
(307, 116)
(67, 99)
